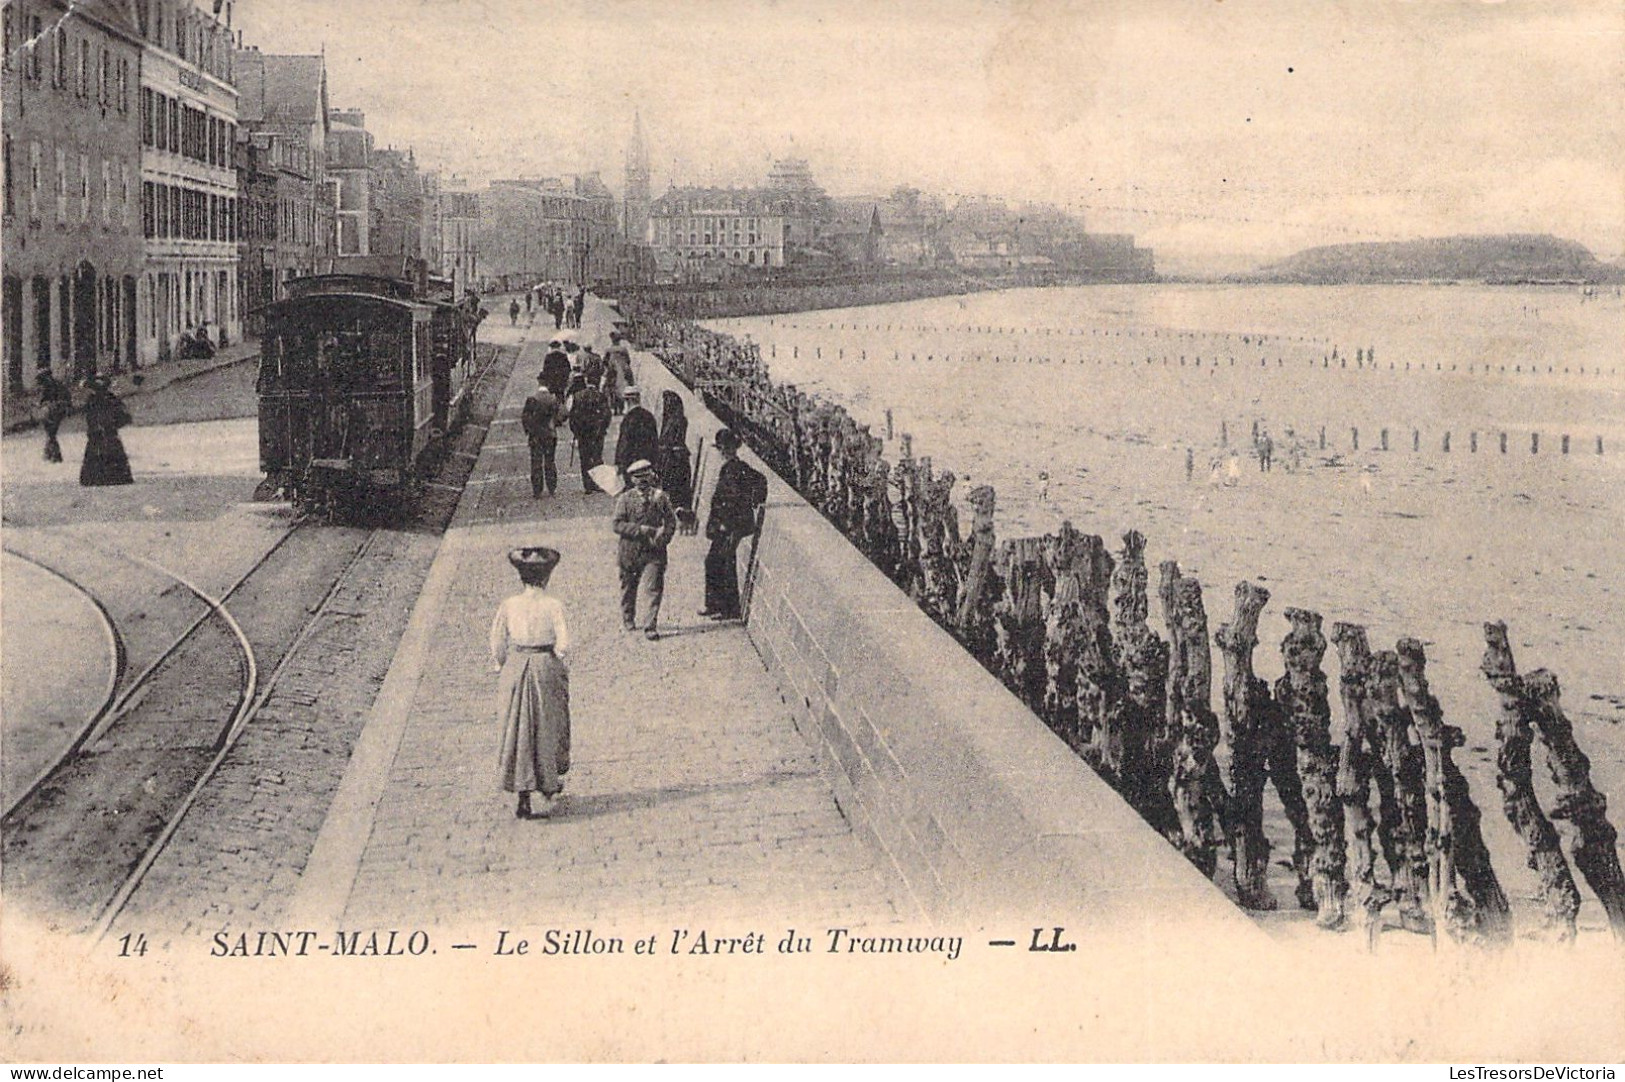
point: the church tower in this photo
(635, 219)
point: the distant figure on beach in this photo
(529, 638)
(1266, 452)
(1190, 464)
(1043, 486)
(105, 460)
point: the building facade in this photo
(188, 176)
(72, 216)
(398, 205)
(701, 234)
(349, 180)
(548, 229)
(283, 128)
(458, 223)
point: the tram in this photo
(361, 375)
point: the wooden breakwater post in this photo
(1559, 897)
(1252, 719)
(1301, 692)
(1578, 801)
(1357, 764)
(1467, 899)
(1200, 799)
(1142, 659)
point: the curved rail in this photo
(247, 707)
(115, 643)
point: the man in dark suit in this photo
(740, 490)
(540, 420)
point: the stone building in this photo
(188, 176)
(702, 234)
(458, 223)
(72, 216)
(349, 178)
(548, 229)
(398, 205)
(282, 117)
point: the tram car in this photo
(361, 375)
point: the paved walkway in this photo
(691, 793)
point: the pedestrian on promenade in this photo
(527, 302)
(739, 492)
(555, 304)
(56, 402)
(645, 522)
(676, 476)
(105, 460)
(513, 313)
(578, 306)
(611, 382)
(540, 419)
(618, 358)
(529, 640)
(588, 415)
(639, 439)
(556, 369)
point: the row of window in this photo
(192, 36)
(71, 66)
(705, 238)
(170, 124)
(74, 188)
(739, 256)
(171, 211)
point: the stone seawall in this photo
(982, 812)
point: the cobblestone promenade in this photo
(690, 794)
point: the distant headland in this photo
(1504, 258)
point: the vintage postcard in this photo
(813, 531)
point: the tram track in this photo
(77, 846)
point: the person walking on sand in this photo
(106, 462)
(529, 640)
(740, 490)
(645, 522)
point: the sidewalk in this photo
(691, 792)
(18, 408)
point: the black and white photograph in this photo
(815, 531)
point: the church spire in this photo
(635, 221)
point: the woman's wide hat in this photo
(534, 559)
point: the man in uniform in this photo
(739, 492)
(540, 420)
(645, 522)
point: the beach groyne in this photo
(1063, 621)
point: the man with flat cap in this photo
(739, 492)
(645, 522)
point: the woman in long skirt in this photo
(676, 476)
(528, 641)
(105, 461)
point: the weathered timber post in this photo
(1143, 660)
(1355, 767)
(982, 501)
(1302, 695)
(1467, 899)
(1559, 897)
(1401, 785)
(1063, 634)
(1100, 683)
(1248, 711)
(1198, 790)
(1018, 621)
(1578, 801)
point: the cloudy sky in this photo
(1221, 132)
